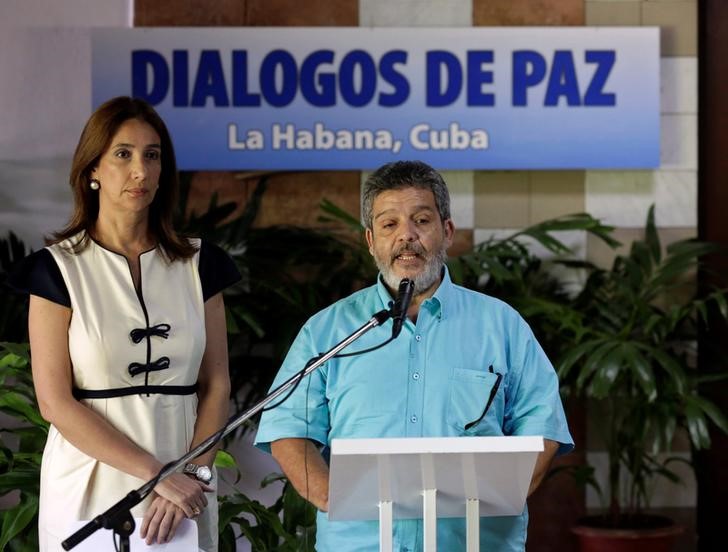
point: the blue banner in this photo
(355, 98)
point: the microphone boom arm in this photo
(118, 514)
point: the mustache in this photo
(413, 248)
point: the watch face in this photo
(204, 473)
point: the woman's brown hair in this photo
(94, 141)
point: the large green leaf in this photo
(19, 479)
(17, 518)
(710, 410)
(642, 371)
(671, 366)
(607, 371)
(652, 239)
(697, 426)
(574, 355)
(224, 459)
(13, 402)
(592, 363)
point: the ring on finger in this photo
(196, 511)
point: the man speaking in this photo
(464, 364)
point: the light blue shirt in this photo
(431, 381)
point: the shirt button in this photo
(418, 337)
(413, 419)
(416, 376)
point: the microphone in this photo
(401, 304)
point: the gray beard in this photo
(424, 280)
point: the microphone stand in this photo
(118, 518)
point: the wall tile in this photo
(528, 12)
(165, 13)
(622, 198)
(460, 184)
(619, 198)
(679, 85)
(501, 199)
(603, 256)
(294, 198)
(612, 13)
(555, 193)
(676, 198)
(462, 242)
(246, 13)
(415, 13)
(678, 22)
(679, 142)
(290, 198)
(294, 13)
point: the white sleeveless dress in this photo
(120, 339)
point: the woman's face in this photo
(128, 171)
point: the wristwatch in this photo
(200, 472)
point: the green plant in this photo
(289, 525)
(21, 444)
(634, 330)
(508, 269)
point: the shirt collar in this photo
(435, 304)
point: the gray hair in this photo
(404, 174)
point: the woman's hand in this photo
(161, 521)
(184, 492)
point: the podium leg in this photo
(472, 525)
(430, 520)
(385, 526)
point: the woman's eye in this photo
(122, 153)
(153, 155)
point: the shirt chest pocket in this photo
(476, 402)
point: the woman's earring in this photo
(94, 184)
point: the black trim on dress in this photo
(79, 394)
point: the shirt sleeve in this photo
(38, 274)
(533, 404)
(217, 270)
(305, 414)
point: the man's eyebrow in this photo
(418, 209)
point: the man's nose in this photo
(409, 232)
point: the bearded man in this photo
(465, 364)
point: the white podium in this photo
(427, 478)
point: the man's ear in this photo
(370, 240)
(449, 231)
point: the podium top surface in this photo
(436, 445)
(494, 470)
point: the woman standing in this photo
(128, 338)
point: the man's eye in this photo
(423, 221)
